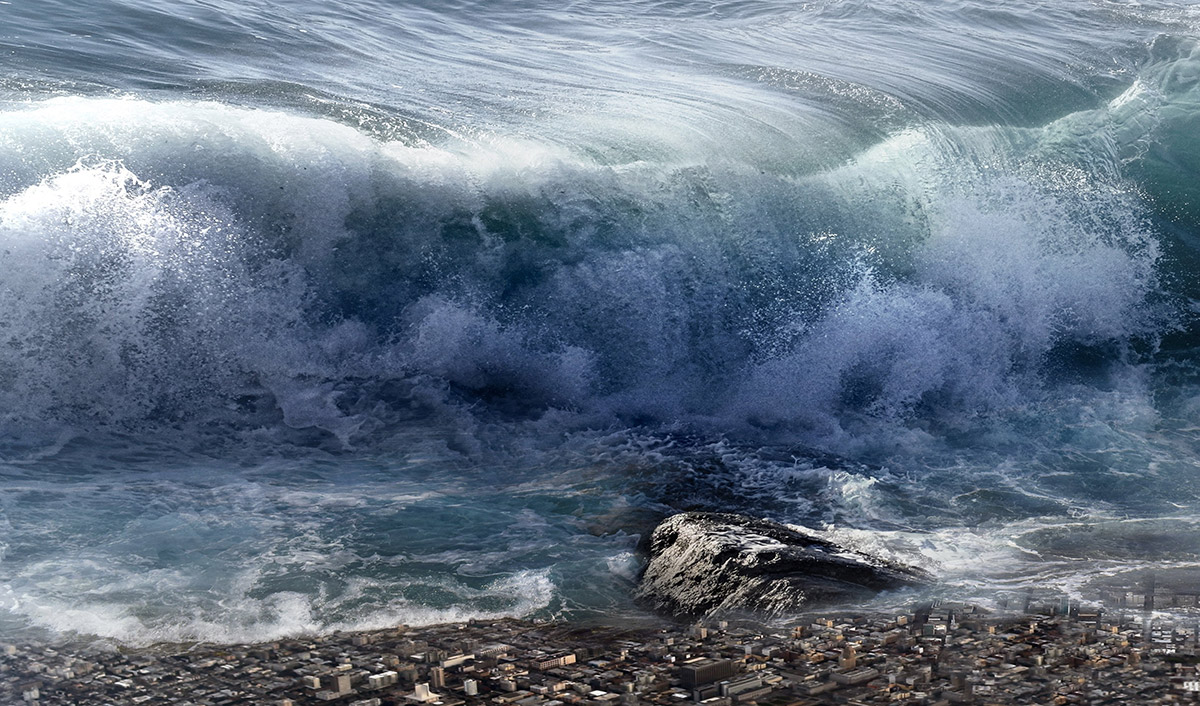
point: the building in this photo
(859, 675)
(705, 671)
(381, 680)
(457, 660)
(421, 694)
(849, 658)
(560, 659)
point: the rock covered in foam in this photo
(703, 563)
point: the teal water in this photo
(318, 316)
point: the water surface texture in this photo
(324, 315)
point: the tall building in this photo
(437, 678)
(705, 671)
(849, 658)
(421, 694)
(470, 687)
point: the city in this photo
(1058, 653)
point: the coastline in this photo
(945, 654)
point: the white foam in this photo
(135, 609)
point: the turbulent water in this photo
(327, 315)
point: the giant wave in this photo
(296, 339)
(193, 262)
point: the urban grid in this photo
(941, 654)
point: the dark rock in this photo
(702, 563)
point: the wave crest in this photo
(203, 262)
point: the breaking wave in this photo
(293, 339)
(196, 263)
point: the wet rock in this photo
(703, 563)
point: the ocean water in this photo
(316, 315)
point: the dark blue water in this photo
(328, 315)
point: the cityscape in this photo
(934, 655)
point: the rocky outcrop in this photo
(704, 563)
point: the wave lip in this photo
(215, 262)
